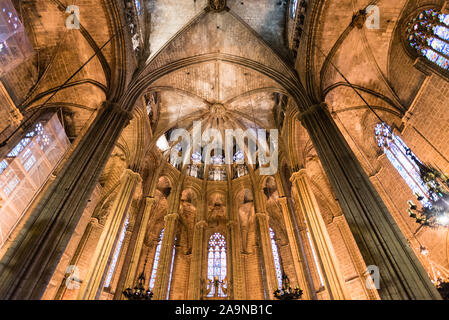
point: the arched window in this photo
(277, 261)
(156, 263)
(400, 157)
(107, 283)
(216, 265)
(26, 167)
(171, 269)
(428, 33)
(156, 260)
(293, 7)
(138, 7)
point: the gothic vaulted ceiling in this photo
(223, 94)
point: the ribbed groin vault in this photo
(214, 149)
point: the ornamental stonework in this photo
(217, 5)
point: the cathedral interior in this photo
(224, 149)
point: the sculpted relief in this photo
(247, 216)
(187, 212)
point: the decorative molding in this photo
(217, 5)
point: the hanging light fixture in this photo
(434, 213)
(287, 292)
(139, 292)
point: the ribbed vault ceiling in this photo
(222, 95)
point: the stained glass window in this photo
(171, 270)
(428, 33)
(293, 7)
(400, 157)
(156, 260)
(315, 258)
(216, 261)
(14, 44)
(116, 254)
(277, 261)
(26, 167)
(138, 7)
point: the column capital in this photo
(311, 110)
(117, 108)
(261, 215)
(230, 223)
(201, 224)
(130, 174)
(283, 201)
(171, 216)
(298, 175)
(149, 201)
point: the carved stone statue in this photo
(217, 209)
(246, 215)
(187, 212)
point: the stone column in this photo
(356, 257)
(320, 237)
(133, 262)
(93, 283)
(165, 258)
(233, 247)
(130, 273)
(29, 263)
(267, 254)
(298, 263)
(91, 235)
(196, 261)
(263, 229)
(379, 238)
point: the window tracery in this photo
(293, 7)
(399, 154)
(428, 34)
(277, 260)
(217, 264)
(26, 168)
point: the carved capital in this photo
(311, 110)
(171, 216)
(283, 201)
(129, 174)
(231, 224)
(261, 215)
(201, 224)
(117, 108)
(298, 175)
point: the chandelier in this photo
(434, 213)
(287, 292)
(443, 288)
(139, 292)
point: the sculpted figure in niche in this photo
(187, 212)
(217, 209)
(247, 216)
